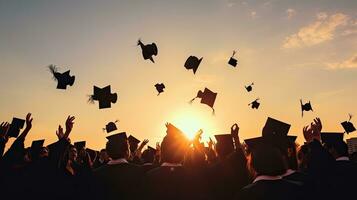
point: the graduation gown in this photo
(272, 189)
(117, 181)
(344, 179)
(229, 175)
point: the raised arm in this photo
(4, 128)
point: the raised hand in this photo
(59, 132)
(308, 135)
(142, 145)
(69, 125)
(4, 128)
(28, 121)
(316, 129)
(234, 134)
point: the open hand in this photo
(59, 132)
(28, 121)
(4, 128)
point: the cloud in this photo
(253, 14)
(350, 63)
(290, 13)
(321, 30)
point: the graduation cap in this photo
(305, 107)
(80, 145)
(255, 104)
(348, 126)
(225, 140)
(37, 145)
(159, 87)
(133, 140)
(249, 87)
(151, 149)
(148, 50)
(110, 126)
(232, 61)
(119, 137)
(253, 143)
(275, 127)
(104, 96)
(15, 127)
(207, 97)
(63, 79)
(193, 62)
(331, 137)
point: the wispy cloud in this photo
(253, 14)
(290, 13)
(349, 63)
(321, 30)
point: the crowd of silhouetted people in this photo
(269, 167)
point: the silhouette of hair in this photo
(267, 160)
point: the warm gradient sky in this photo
(290, 49)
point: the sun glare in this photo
(190, 122)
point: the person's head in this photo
(148, 156)
(303, 157)
(337, 149)
(103, 155)
(173, 149)
(290, 155)
(72, 153)
(117, 149)
(267, 160)
(44, 152)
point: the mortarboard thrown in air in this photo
(15, 127)
(80, 145)
(192, 62)
(348, 126)
(207, 97)
(232, 61)
(63, 79)
(305, 107)
(249, 88)
(148, 50)
(331, 137)
(160, 88)
(111, 126)
(104, 96)
(255, 104)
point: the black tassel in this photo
(90, 99)
(53, 69)
(191, 101)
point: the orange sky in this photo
(289, 49)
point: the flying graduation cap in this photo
(255, 104)
(160, 88)
(232, 61)
(305, 107)
(249, 88)
(15, 127)
(192, 62)
(63, 79)
(148, 50)
(348, 126)
(207, 97)
(111, 126)
(104, 96)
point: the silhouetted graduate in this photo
(64, 79)
(255, 104)
(118, 178)
(104, 96)
(305, 107)
(148, 50)
(207, 97)
(232, 61)
(348, 126)
(192, 62)
(80, 145)
(160, 88)
(111, 126)
(15, 127)
(249, 88)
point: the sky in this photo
(290, 49)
